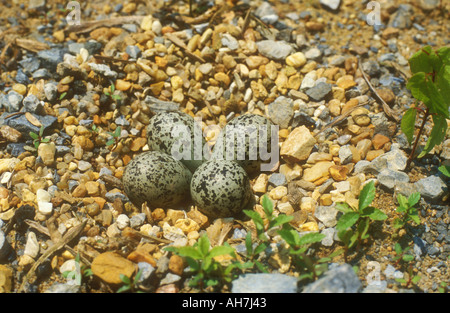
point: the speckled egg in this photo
(221, 189)
(247, 131)
(179, 135)
(157, 178)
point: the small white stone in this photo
(32, 246)
(122, 221)
(68, 266)
(43, 196)
(45, 208)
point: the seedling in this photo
(200, 257)
(38, 138)
(353, 225)
(444, 169)
(129, 285)
(274, 221)
(406, 259)
(298, 248)
(110, 93)
(407, 210)
(61, 96)
(430, 84)
(115, 136)
(79, 272)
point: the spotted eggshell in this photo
(221, 189)
(156, 178)
(251, 132)
(175, 131)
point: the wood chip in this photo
(33, 120)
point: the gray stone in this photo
(12, 101)
(230, 42)
(345, 154)
(339, 279)
(5, 247)
(264, 283)
(313, 54)
(30, 64)
(112, 195)
(32, 104)
(371, 68)
(137, 220)
(51, 91)
(20, 123)
(403, 17)
(147, 273)
(155, 105)
(133, 51)
(63, 288)
(344, 139)
(432, 187)
(103, 69)
(331, 4)
(329, 236)
(389, 178)
(394, 160)
(319, 91)
(42, 73)
(281, 111)
(170, 279)
(326, 215)
(265, 9)
(276, 50)
(50, 58)
(277, 179)
(428, 5)
(36, 4)
(404, 188)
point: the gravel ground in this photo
(319, 70)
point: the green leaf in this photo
(125, 279)
(445, 170)
(403, 202)
(408, 123)
(189, 251)
(345, 236)
(110, 142)
(267, 205)
(415, 279)
(444, 54)
(363, 228)
(415, 217)
(367, 195)
(220, 250)
(34, 135)
(401, 280)
(420, 61)
(310, 238)
(249, 243)
(375, 214)
(45, 140)
(280, 220)
(117, 132)
(398, 223)
(343, 207)
(203, 245)
(291, 236)
(417, 85)
(123, 288)
(398, 248)
(413, 198)
(437, 134)
(347, 220)
(408, 257)
(257, 219)
(260, 248)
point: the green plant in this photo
(402, 256)
(61, 96)
(407, 210)
(200, 257)
(79, 272)
(353, 225)
(38, 138)
(115, 136)
(444, 169)
(443, 287)
(274, 221)
(129, 285)
(311, 266)
(429, 84)
(110, 93)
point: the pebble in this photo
(431, 187)
(298, 145)
(338, 279)
(331, 4)
(319, 91)
(109, 265)
(264, 283)
(281, 111)
(47, 152)
(296, 60)
(390, 179)
(276, 50)
(6, 279)
(5, 247)
(326, 215)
